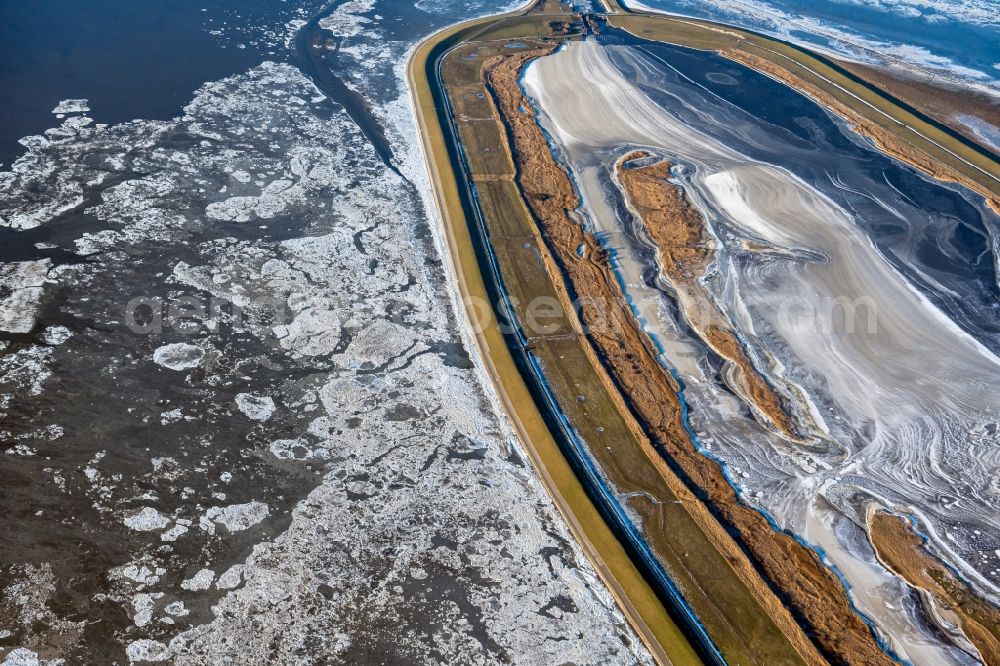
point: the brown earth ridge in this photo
(795, 573)
(903, 551)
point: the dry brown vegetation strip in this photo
(806, 586)
(673, 223)
(728, 346)
(903, 551)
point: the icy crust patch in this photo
(473, 565)
(366, 44)
(44, 184)
(990, 134)
(71, 106)
(21, 286)
(268, 32)
(178, 356)
(238, 517)
(200, 581)
(258, 408)
(446, 8)
(348, 20)
(23, 373)
(145, 650)
(856, 40)
(26, 601)
(26, 657)
(146, 519)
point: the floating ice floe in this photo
(146, 649)
(290, 449)
(140, 574)
(238, 517)
(171, 416)
(56, 335)
(23, 657)
(347, 21)
(176, 608)
(22, 282)
(177, 531)
(258, 408)
(144, 605)
(71, 106)
(230, 578)
(147, 519)
(178, 356)
(200, 581)
(273, 199)
(313, 332)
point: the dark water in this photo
(130, 58)
(938, 235)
